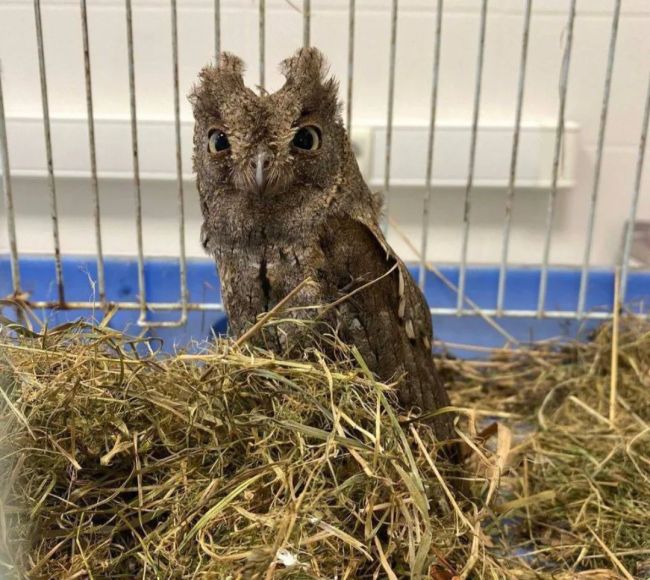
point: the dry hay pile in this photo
(233, 463)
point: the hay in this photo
(119, 462)
(579, 486)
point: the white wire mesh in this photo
(464, 304)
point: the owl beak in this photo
(261, 162)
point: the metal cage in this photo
(464, 304)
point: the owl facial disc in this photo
(271, 144)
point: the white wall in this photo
(62, 24)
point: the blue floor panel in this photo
(162, 285)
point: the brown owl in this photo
(283, 200)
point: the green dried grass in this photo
(593, 473)
(236, 463)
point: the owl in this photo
(283, 201)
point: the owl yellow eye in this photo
(307, 138)
(217, 141)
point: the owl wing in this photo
(388, 317)
(412, 309)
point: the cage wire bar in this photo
(306, 22)
(638, 174)
(351, 27)
(510, 193)
(430, 143)
(184, 305)
(182, 259)
(8, 195)
(136, 163)
(391, 106)
(217, 28)
(559, 134)
(584, 277)
(472, 159)
(262, 41)
(48, 152)
(92, 149)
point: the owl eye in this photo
(307, 138)
(217, 141)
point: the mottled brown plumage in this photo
(275, 214)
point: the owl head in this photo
(267, 144)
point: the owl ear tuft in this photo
(218, 83)
(307, 74)
(228, 63)
(306, 66)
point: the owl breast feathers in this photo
(283, 200)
